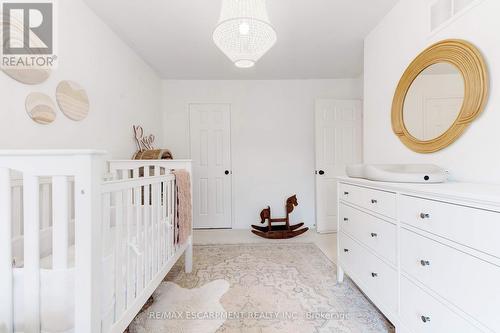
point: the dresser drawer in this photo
(379, 280)
(469, 283)
(475, 228)
(420, 312)
(375, 233)
(381, 202)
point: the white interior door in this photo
(210, 126)
(338, 144)
(439, 113)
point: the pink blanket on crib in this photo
(184, 218)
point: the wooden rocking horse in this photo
(280, 231)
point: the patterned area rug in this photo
(273, 288)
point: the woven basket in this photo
(155, 154)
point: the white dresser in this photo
(428, 256)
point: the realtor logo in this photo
(28, 34)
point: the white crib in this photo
(84, 242)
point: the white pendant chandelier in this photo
(244, 32)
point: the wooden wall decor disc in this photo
(72, 100)
(40, 108)
(28, 76)
(32, 75)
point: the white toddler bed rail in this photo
(89, 252)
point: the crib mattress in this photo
(57, 291)
(57, 294)
(57, 297)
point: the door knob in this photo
(425, 262)
(425, 319)
(321, 172)
(227, 172)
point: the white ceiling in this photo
(316, 38)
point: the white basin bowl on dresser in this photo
(427, 255)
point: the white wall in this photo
(122, 89)
(389, 49)
(272, 137)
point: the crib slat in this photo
(147, 233)
(119, 255)
(60, 242)
(6, 305)
(164, 200)
(106, 222)
(17, 215)
(163, 224)
(45, 205)
(159, 222)
(165, 219)
(139, 230)
(165, 216)
(170, 220)
(154, 233)
(158, 225)
(127, 199)
(172, 217)
(174, 210)
(31, 254)
(149, 203)
(135, 217)
(169, 224)
(107, 251)
(72, 200)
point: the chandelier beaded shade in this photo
(244, 32)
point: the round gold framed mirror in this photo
(441, 92)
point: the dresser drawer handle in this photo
(346, 219)
(374, 234)
(346, 193)
(425, 262)
(374, 201)
(346, 250)
(425, 319)
(374, 275)
(424, 216)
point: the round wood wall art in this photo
(72, 100)
(40, 108)
(28, 76)
(32, 75)
(471, 64)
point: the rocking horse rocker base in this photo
(277, 227)
(279, 234)
(280, 231)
